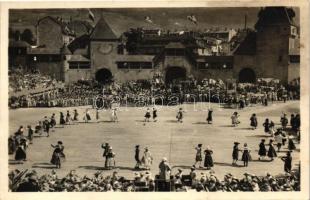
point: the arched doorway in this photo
(247, 75)
(103, 75)
(175, 74)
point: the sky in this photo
(121, 19)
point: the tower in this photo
(103, 51)
(274, 35)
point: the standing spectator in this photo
(164, 169)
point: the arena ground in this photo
(83, 141)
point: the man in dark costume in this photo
(53, 121)
(75, 115)
(46, 126)
(235, 153)
(20, 154)
(154, 114)
(210, 118)
(137, 157)
(266, 125)
(262, 150)
(287, 162)
(105, 153)
(30, 134)
(62, 119)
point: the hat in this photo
(137, 146)
(180, 108)
(164, 159)
(199, 145)
(263, 140)
(236, 143)
(59, 142)
(192, 168)
(271, 140)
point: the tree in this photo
(27, 36)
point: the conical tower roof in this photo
(103, 31)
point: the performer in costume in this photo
(271, 151)
(266, 125)
(147, 115)
(180, 115)
(154, 114)
(62, 119)
(235, 153)
(246, 155)
(253, 120)
(147, 159)
(58, 154)
(46, 126)
(210, 118)
(198, 157)
(291, 145)
(75, 115)
(262, 150)
(208, 158)
(137, 157)
(105, 153)
(287, 162)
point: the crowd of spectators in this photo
(23, 80)
(146, 92)
(22, 181)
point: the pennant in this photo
(91, 15)
(192, 18)
(148, 19)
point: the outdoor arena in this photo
(164, 138)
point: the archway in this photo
(247, 75)
(175, 74)
(103, 75)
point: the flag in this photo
(148, 19)
(91, 15)
(192, 18)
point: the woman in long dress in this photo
(235, 153)
(198, 157)
(208, 158)
(87, 116)
(210, 118)
(180, 115)
(147, 159)
(154, 114)
(110, 158)
(262, 150)
(253, 120)
(246, 157)
(266, 125)
(234, 119)
(62, 119)
(58, 154)
(271, 151)
(114, 117)
(291, 145)
(20, 154)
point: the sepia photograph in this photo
(170, 99)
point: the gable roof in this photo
(275, 15)
(103, 31)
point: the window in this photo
(295, 59)
(79, 65)
(134, 65)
